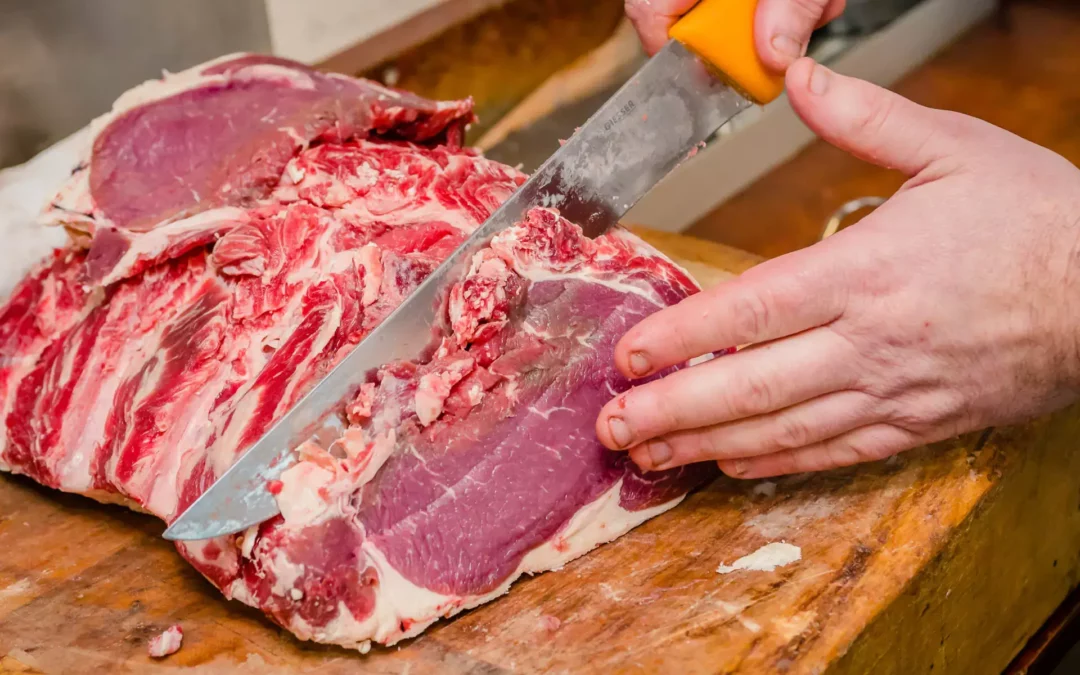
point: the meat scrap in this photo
(237, 229)
(168, 642)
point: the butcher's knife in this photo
(673, 104)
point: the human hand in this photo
(952, 307)
(782, 28)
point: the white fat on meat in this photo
(371, 261)
(400, 602)
(23, 190)
(435, 387)
(302, 498)
(315, 488)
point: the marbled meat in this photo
(236, 229)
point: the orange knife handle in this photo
(722, 33)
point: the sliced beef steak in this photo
(177, 160)
(137, 364)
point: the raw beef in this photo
(146, 192)
(238, 228)
(167, 643)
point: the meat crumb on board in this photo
(550, 623)
(765, 559)
(167, 643)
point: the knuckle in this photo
(865, 450)
(682, 341)
(711, 445)
(959, 126)
(752, 397)
(729, 468)
(662, 414)
(793, 433)
(789, 462)
(636, 10)
(873, 116)
(871, 406)
(839, 454)
(922, 412)
(902, 415)
(878, 442)
(750, 317)
(809, 10)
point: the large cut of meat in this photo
(237, 228)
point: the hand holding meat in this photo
(952, 307)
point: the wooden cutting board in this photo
(944, 559)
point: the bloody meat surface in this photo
(237, 228)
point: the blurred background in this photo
(63, 62)
(537, 68)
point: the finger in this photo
(782, 28)
(872, 123)
(866, 444)
(654, 18)
(781, 297)
(750, 382)
(832, 10)
(813, 421)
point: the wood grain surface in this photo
(936, 558)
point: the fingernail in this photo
(787, 47)
(620, 433)
(659, 452)
(819, 79)
(739, 467)
(639, 364)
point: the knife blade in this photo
(651, 124)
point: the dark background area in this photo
(63, 62)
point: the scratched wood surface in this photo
(948, 557)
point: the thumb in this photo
(870, 122)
